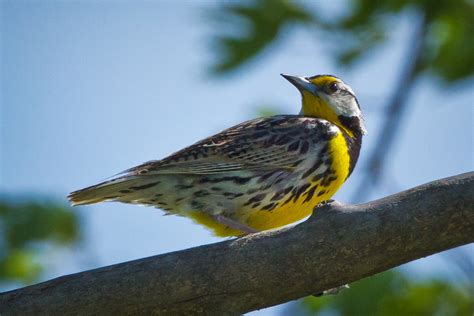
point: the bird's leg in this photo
(234, 225)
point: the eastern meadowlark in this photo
(258, 175)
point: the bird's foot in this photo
(328, 205)
(323, 203)
(332, 291)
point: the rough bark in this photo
(338, 244)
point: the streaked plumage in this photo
(258, 175)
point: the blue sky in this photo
(89, 89)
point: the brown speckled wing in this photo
(274, 143)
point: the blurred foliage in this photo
(448, 46)
(24, 227)
(392, 293)
(262, 21)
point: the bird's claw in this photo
(332, 291)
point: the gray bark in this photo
(338, 244)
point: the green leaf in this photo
(20, 265)
(450, 44)
(258, 25)
(25, 224)
(37, 221)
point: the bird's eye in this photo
(333, 87)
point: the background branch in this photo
(337, 245)
(395, 111)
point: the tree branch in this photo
(338, 244)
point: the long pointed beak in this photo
(301, 83)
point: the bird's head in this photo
(329, 98)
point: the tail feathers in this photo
(120, 189)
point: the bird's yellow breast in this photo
(296, 209)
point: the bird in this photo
(258, 175)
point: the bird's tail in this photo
(124, 189)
